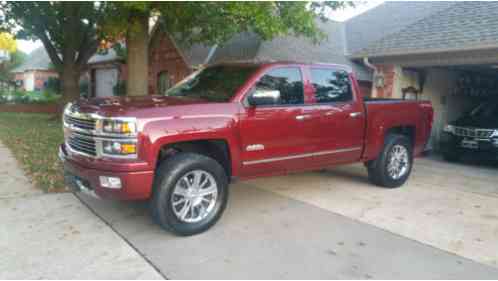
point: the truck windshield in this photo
(486, 110)
(217, 83)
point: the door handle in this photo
(355, 114)
(302, 117)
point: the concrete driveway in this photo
(54, 236)
(333, 224)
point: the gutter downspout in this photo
(375, 72)
(369, 65)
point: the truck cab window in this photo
(331, 85)
(288, 81)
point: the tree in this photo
(68, 31)
(7, 42)
(16, 59)
(208, 23)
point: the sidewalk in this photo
(54, 236)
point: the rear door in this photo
(340, 125)
(273, 136)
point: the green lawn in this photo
(34, 140)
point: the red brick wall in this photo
(388, 72)
(163, 56)
(365, 88)
(42, 76)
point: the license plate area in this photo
(470, 144)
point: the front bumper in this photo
(134, 185)
(485, 148)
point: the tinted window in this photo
(286, 80)
(331, 85)
(216, 83)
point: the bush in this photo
(119, 89)
(25, 97)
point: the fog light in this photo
(110, 182)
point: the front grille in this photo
(82, 144)
(473, 133)
(85, 124)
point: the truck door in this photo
(273, 135)
(340, 125)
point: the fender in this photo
(169, 130)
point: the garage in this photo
(449, 58)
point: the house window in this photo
(163, 82)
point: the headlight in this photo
(119, 148)
(119, 127)
(494, 134)
(449, 129)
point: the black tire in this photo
(169, 172)
(451, 156)
(378, 168)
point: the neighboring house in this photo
(34, 73)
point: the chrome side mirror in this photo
(264, 97)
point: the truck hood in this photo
(123, 106)
(473, 122)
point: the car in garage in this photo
(476, 132)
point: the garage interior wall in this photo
(438, 88)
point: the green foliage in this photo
(216, 22)
(16, 59)
(119, 89)
(28, 97)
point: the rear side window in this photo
(288, 81)
(331, 85)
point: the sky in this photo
(340, 15)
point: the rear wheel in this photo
(190, 193)
(393, 166)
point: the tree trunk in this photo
(137, 44)
(70, 77)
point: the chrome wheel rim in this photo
(194, 196)
(398, 162)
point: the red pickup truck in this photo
(235, 121)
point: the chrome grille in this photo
(85, 124)
(473, 133)
(82, 144)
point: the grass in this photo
(34, 140)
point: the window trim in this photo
(313, 90)
(249, 92)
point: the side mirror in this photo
(264, 97)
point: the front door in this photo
(340, 125)
(273, 135)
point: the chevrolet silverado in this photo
(233, 121)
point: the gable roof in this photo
(387, 18)
(38, 59)
(249, 46)
(462, 26)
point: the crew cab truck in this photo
(235, 121)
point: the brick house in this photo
(34, 73)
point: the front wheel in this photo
(393, 166)
(190, 193)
